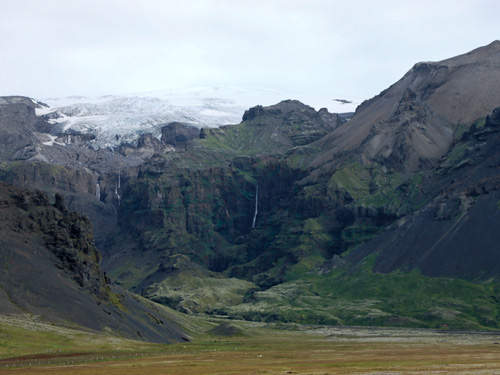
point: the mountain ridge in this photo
(295, 214)
(426, 106)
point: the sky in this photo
(315, 50)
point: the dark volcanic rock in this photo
(293, 120)
(253, 112)
(147, 146)
(178, 134)
(50, 267)
(456, 234)
(18, 121)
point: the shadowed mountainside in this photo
(50, 267)
(455, 234)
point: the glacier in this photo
(114, 119)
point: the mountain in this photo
(294, 214)
(273, 129)
(51, 268)
(413, 123)
(113, 119)
(455, 233)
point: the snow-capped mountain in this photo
(122, 118)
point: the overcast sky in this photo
(319, 48)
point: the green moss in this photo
(455, 156)
(306, 265)
(116, 300)
(375, 186)
(198, 292)
(480, 123)
(460, 129)
(360, 296)
(353, 178)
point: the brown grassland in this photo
(264, 350)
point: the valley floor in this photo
(260, 349)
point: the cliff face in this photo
(50, 267)
(17, 124)
(66, 235)
(178, 134)
(203, 214)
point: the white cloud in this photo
(319, 49)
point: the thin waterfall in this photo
(117, 187)
(256, 205)
(98, 191)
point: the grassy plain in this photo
(256, 349)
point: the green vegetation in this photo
(292, 266)
(26, 335)
(245, 139)
(190, 292)
(362, 297)
(375, 186)
(456, 156)
(460, 130)
(480, 123)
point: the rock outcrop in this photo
(178, 134)
(18, 122)
(51, 268)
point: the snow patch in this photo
(41, 111)
(214, 112)
(51, 140)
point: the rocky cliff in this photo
(51, 268)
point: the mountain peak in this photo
(412, 123)
(283, 107)
(18, 99)
(494, 44)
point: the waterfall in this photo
(117, 189)
(98, 191)
(256, 205)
